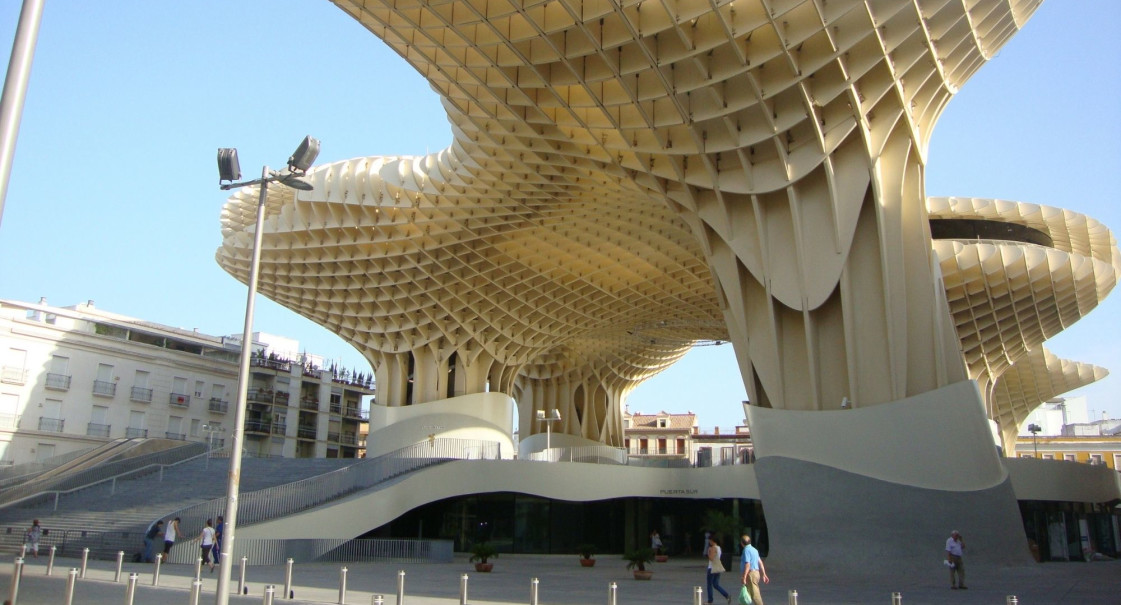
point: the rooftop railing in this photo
(594, 454)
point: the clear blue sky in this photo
(113, 195)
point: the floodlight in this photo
(228, 167)
(305, 155)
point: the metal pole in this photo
(85, 559)
(241, 577)
(50, 560)
(287, 580)
(15, 88)
(342, 586)
(17, 573)
(198, 568)
(463, 589)
(697, 595)
(269, 592)
(156, 572)
(896, 598)
(23, 551)
(401, 587)
(120, 563)
(792, 597)
(612, 594)
(71, 576)
(234, 483)
(196, 591)
(533, 591)
(130, 590)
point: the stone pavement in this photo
(563, 582)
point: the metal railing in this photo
(94, 429)
(290, 498)
(219, 405)
(52, 425)
(103, 472)
(179, 400)
(175, 436)
(13, 375)
(262, 551)
(141, 394)
(306, 432)
(104, 388)
(9, 421)
(135, 433)
(20, 472)
(594, 454)
(57, 382)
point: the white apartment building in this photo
(75, 377)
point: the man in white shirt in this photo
(954, 547)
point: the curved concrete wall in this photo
(1063, 481)
(482, 416)
(576, 482)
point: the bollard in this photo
(198, 568)
(401, 587)
(342, 586)
(1009, 600)
(22, 551)
(120, 563)
(697, 595)
(463, 589)
(270, 591)
(156, 572)
(241, 576)
(196, 591)
(71, 576)
(896, 598)
(792, 597)
(377, 600)
(85, 559)
(50, 561)
(533, 591)
(17, 574)
(287, 580)
(130, 591)
(612, 594)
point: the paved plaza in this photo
(563, 582)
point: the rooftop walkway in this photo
(564, 582)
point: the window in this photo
(104, 372)
(44, 451)
(9, 410)
(1070, 457)
(179, 385)
(196, 427)
(1048, 456)
(199, 386)
(1026, 456)
(662, 423)
(1096, 459)
(1116, 461)
(14, 367)
(99, 414)
(141, 379)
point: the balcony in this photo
(333, 437)
(259, 395)
(272, 364)
(104, 388)
(13, 375)
(348, 439)
(179, 400)
(175, 436)
(9, 421)
(133, 433)
(94, 429)
(279, 428)
(58, 382)
(356, 413)
(309, 403)
(141, 394)
(306, 432)
(218, 406)
(257, 426)
(336, 408)
(51, 425)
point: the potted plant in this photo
(587, 551)
(479, 555)
(637, 560)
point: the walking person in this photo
(753, 569)
(34, 534)
(219, 527)
(169, 536)
(206, 541)
(715, 568)
(954, 547)
(656, 542)
(150, 539)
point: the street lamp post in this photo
(555, 417)
(230, 170)
(1034, 430)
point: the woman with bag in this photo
(715, 568)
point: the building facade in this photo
(76, 377)
(677, 439)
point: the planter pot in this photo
(643, 575)
(484, 567)
(587, 562)
(661, 558)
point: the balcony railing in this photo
(272, 364)
(176, 436)
(348, 439)
(94, 429)
(268, 428)
(333, 437)
(306, 432)
(104, 388)
(58, 382)
(260, 395)
(132, 433)
(309, 403)
(219, 406)
(9, 421)
(279, 428)
(179, 400)
(13, 375)
(141, 394)
(336, 408)
(53, 425)
(358, 413)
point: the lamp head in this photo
(556, 414)
(305, 155)
(540, 414)
(228, 167)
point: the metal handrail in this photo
(596, 454)
(19, 472)
(281, 500)
(101, 473)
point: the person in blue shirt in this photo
(753, 570)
